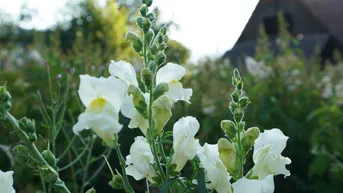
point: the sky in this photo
(206, 27)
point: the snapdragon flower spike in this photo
(102, 98)
(184, 144)
(6, 182)
(244, 185)
(216, 175)
(139, 162)
(171, 74)
(267, 154)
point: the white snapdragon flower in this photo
(216, 175)
(267, 154)
(258, 69)
(6, 182)
(243, 185)
(184, 144)
(171, 74)
(139, 162)
(102, 98)
(125, 72)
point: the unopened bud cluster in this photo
(240, 141)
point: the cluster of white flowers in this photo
(258, 69)
(329, 89)
(6, 182)
(104, 98)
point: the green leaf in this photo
(201, 181)
(166, 185)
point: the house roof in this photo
(307, 44)
(329, 13)
(317, 20)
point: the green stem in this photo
(33, 149)
(127, 185)
(240, 155)
(42, 181)
(100, 168)
(147, 185)
(75, 160)
(145, 51)
(73, 148)
(85, 174)
(67, 149)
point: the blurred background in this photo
(288, 51)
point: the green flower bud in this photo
(144, 24)
(229, 128)
(5, 99)
(162, 46)
(160, 39)
(153, 49)
(136, 41)
(249, 138)
(92, 190)
(147, 2)
(236, 74)
(163, 30)
(244, 102)
(227, 154)
(160, 58)
(165, 38)
(241, 126)
(117, 182)
(151, 16)
(238, 115)
(146, 77)
(49, 174)
(27, 125)
(235, 97)
(150, 36)
(233, 106)
(143, 10)
(49, 157)
(138, 100)
(151, 57)
(161, 113)
(152, 66)
(235, 81)
(159, 90)
(240, 85)
(32, 137)
(21, 154)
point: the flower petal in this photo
(215, 170)
(6, 182)
(244, 185)
(87, 90)
(176, 92)
(185, 128)
(112, 90)
(274, 138)
(124, 71)
(140, 159)
(170, 72)
(104, 123)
